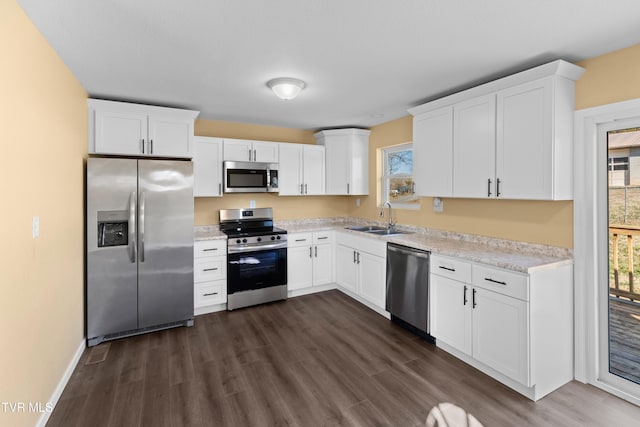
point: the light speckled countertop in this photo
(507, 254)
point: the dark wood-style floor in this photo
(317, 360)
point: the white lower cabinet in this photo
(515, 327)
(361, 268)
(310, 260)
(210, 275)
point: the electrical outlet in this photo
(35, 227)
(358, 202)
(438, 204)
(252, 204)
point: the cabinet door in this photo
(237, 150)
(359, 167)
(524, 141)
(451, 312)
(290, 170)
(338, 167)
(120, 133)
(474, 147)
(265, 152)
(346, 268)
(207, 167)
(501, 334)
(299, 267)
(323, 257)
(313, 170)
(433, 153)
(170, 137)
(372, 278)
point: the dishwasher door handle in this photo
(408, 251)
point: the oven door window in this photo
(246, 178)
(256, 270)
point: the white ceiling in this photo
(364, 61)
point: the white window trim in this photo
(384, 181)
(588, 214)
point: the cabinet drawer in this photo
(208, 248)
(504, 282)
(453, 268)
(299, 239)
(209, 268)
(210, 293)
(323, 237)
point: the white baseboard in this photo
(63, 382)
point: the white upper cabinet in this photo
(534, 140)
(207, 167)
(474, 139)
(511, 138)
(121, 128)
(347, 160)
(243, 150)
(301, 169)
(433, 153)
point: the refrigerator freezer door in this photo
(165, 242)
(112, 270)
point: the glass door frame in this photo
(603, 373)
(591, 235)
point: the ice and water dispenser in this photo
(113, 228)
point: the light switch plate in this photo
(438, 204)
(36, 227)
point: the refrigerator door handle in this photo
(141, 225)
(131, 248)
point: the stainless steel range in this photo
(256, 257)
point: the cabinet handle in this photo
(142, 145)
(305, 189)
(310, 252)
(489, 187)
(498, 187)
(464, 295)
(446, 268)
(347, 188)
(254, 155)
(301, 190)
(323, 238)
(316, 250)
(473, 299)
(209, 249)
(210, 269)
(220, 188)
(358, 257)
(151, 146)
(301, 240)
(249, 154)
(354, 257)
(210, 293)
(495, 281)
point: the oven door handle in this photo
(246, 249)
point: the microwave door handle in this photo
(131, 248)
(141, 214)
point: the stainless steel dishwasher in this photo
(408, 288)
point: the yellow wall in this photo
(538, 222)
(44, 141)
(612, 77)
(284, 207)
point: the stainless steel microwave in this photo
(250, 177)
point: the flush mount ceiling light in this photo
(286, 87)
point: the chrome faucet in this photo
(390, 224)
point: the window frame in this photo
(386, 178)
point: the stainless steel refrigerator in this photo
(139, 246)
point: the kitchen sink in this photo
(367, 228)
(377, 230)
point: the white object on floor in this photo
(450, 415)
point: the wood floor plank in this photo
(316, 360)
